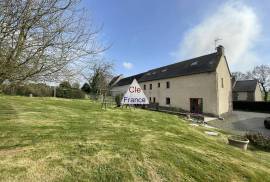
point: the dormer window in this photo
(194, 63)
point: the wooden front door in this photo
(196, 105)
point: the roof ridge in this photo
(182, 61)
(204, 63)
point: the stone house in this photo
(198, 85)
(247, 90)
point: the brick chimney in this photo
(220, 50)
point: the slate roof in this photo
(202, 64)
(114, 80)
(128, 80)
(245, 86)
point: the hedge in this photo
(37, 90)
(252, 106)
(70, 93)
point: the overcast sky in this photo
(147, 33)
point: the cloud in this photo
(128, 65)
(238, 27)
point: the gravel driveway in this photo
(239, 122)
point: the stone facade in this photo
(212, 89)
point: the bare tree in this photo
(262, 74)
(76, 85)
(98, 76)
(39, 39)
(239, 75)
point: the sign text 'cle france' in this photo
(134, 95)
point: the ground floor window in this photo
(154, 99)
(196, 105)
(150, 99)
(168, 100)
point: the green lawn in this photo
(46, 139)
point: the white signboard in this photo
(134, 95)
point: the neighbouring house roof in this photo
(202, 64)
(114, 79)
(128, 80)
(245, 86)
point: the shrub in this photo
(38, 90)
(267, 123)
(86, 88)
(70, 93)
(259, 140)
(65, 84)
(118, 100)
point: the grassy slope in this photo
(69, 140)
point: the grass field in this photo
(46, 139)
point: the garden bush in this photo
(118, 100)
(71, 93)
(267, 123)
(259, 140)
(37, 90)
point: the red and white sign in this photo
(134, 95)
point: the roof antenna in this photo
(216, 41)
